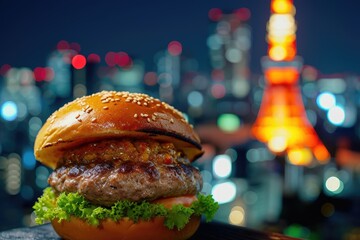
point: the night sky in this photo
(328, 35)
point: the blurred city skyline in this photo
(327, 35)
(205, 60)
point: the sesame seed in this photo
(171, 120)
(148, 119)
(77, 116)
(106, 108)
(153, 118)
(158, 105)
(135, 115)
(93, 119)
(145, 104)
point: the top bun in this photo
(111, 114)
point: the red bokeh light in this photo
(4, 68)
(39, 74)
(62, 45)
(110, 59)
(43, 74)
(122, 59)
(78, 61)
(175, 48)
(150, 78)
(215, 14)
(218, 91)
(93, 58)
(242, 14)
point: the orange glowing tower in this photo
(282, 122)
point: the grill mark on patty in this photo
(100, 169)
(146, 167)
(75, 171)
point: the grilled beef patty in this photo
(108, 171)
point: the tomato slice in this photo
(184, 200)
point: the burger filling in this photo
(129, 178)
(132, 169)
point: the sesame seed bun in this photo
(109, 115)
(124, 229)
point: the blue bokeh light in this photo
(9, 111)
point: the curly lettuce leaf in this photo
(178, 217)
(62, 207)
(205, 205)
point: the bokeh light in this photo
(218, 90)
(334, 185)
(336, 115)
(228, 122)
(63, 45)
(222, 166)
(110, 59)
(175, 48)
(28, 159)
(277, 144)
(224, 192)
(4, 68)
(326, 100)
(9, 111)
(243, 14)
(93, 58)
(195, 99)
(237, 216)
(215, 14)
(78, 61)
(122, 59)
(150, 78)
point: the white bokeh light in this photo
(224, 192)
(222, 166)
(336, 115)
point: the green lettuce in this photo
(50, 206)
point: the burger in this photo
(122, 170)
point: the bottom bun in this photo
(124, 229)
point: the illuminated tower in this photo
(282, 122)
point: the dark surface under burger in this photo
(133, 169)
